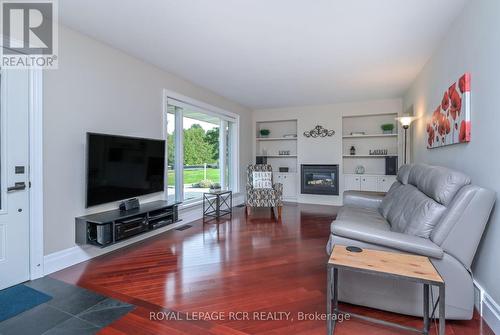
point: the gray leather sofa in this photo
(431, 211)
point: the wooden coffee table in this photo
(408, 267)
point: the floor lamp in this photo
(405, 122)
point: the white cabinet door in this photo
(352, 183)
(289, 184)
(372, 183)
(290, 190)
(385, 183)
(369, 183)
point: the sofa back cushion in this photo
(438, 183)
(403, 174)
(421, 198)
(401, 179)
(386, 204)
(412, 212)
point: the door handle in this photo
(17, 187)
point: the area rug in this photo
(20, 298)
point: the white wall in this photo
(101, 89)
(472, 45)
(326, 150)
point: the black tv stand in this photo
(107, 228)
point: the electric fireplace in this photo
(320, 179)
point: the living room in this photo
(249, 167)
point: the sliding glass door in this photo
(199, 145)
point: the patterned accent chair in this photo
(263, 197)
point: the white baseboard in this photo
(487, 307)
(65, 258)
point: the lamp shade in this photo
(406, 121)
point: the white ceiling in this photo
(275, 53)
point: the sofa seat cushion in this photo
(361, 216)
(361, 231)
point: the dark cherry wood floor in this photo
(240, 265)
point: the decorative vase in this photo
(353, 151)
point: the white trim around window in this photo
(176, 99)
(204, 107)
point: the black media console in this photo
(106, 228)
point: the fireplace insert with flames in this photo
(320, 179)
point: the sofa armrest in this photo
(389, 239)
(363, 199)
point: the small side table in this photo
(414, 268)
(217, 204)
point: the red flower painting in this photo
(456, 104)
(464, 135)
(431, 135)
(445, 103)
(464, 83)
(452, 88)
(450, 121)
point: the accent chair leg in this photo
(273, 214)
(247, 211)
(280, 208)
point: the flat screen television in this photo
(120, 167)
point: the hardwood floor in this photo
(252, 265)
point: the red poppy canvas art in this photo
(450, 121)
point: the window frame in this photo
(208, 109)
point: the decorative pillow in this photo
(262, 179)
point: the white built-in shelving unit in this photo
(276, 138)
(366, 156)
(370, 135)
(373, 138)
(282, 137)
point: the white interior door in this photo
(14, 156)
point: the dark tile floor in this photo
(72, 310)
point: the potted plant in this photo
(387, 128)
(204, 183)
(264, 132)
(215, 187)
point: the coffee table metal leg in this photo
(217, 208)
(442, 315)
(329, 329)
(426, 309)
(335, 297)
